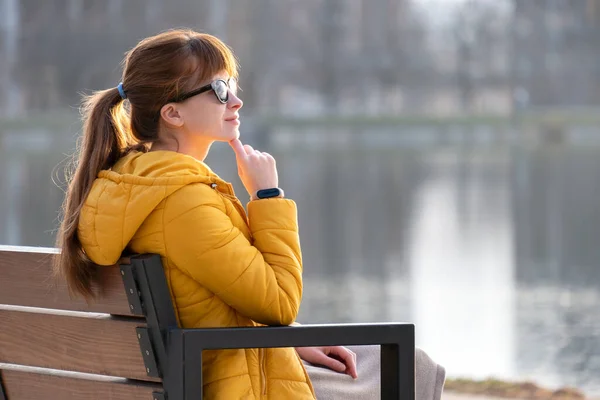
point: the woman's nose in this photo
(235, 103)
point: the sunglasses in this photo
(220, 87)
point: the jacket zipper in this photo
(263, 374)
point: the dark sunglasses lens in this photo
(221, 90)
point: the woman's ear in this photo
(171, 115)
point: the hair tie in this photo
(121, 91)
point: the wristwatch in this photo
(269, 193)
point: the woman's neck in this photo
(197, 150)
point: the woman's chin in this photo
(228, 136)
(234, 134)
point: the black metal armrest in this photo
(179, 351)
(299, 336)
(397, 349)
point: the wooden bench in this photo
(127, 345)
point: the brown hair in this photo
(159, 68)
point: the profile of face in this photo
(210, 115)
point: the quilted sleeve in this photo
(261, 280)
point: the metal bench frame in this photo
(175, 354)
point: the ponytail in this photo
(106, 135)
(157, 69)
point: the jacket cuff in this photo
(274, 213)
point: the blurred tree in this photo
(556, 46)
(481, 40)
(331, 38)
(327, 56)
(10, 96)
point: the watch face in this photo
(266, 193)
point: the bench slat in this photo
(92, 343)
(27, 281)
(26, 385)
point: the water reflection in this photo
(491, 251)
(461, 265)
(439, 253)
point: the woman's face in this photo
(205, 117)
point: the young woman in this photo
(141, 185)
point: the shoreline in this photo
(495, 389)
(451, 395)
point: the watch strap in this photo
(269, 193)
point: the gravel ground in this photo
(460, 396)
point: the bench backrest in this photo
(56, 347)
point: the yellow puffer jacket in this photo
(224, 268)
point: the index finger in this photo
(348, 357)
(238, 148)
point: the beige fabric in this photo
(330, 385)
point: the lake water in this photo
(491, 250)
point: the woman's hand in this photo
(256, 169)
(336, 358)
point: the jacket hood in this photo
(122, 198)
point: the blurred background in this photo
(444, 155)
